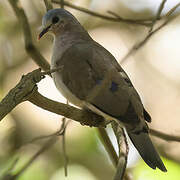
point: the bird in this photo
(92, 79)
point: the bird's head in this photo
(57, 21)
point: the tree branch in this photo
(171, 11)
(45, 147)
(26, 90)
(19, 93)
(123, 152)
(161, 7)
(96, 14)
(64, 125)
(48, 5)
(108, 146)
(158, 14)
(140, 44)
(8, 175)
(29, 46)
(62, 3)
(82, 116)
(164, 136)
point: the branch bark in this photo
(123, 152)
(82, 116)
(140, 44)
(19, 93)
(48, 5)
(106, 17)
(108, 146)
(26, 90)
(29, 46)
(164, 136)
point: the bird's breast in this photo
(59, 48)
(63, 89)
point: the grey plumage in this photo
(92, 78)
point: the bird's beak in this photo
(44, 31)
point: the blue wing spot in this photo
(114, 87)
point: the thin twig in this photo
(7, 175)
(126, 176)
(96, 14)
(146, 22)
(108, 146)
(139, 45)
(158, 14)
(13, 164)
(49, 72)
(171, 11)
(123, 151)
(48, 5)
(62, 132)
(44, 148)
(164, 136)
(62, 3)
(59, 132)
(161, 7)
(64, 148)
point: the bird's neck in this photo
(63, 41)
(72, 35)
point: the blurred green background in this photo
(154, 70)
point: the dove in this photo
(92, 79)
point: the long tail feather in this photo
(146, 149)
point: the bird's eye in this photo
(55, 19)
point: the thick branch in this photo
(82, 116)
(26, 89)
(19, 93)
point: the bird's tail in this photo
(146, 149)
